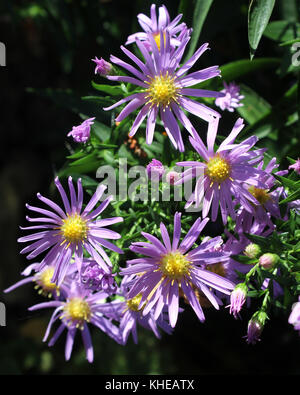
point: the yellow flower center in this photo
(175, 265)
(218, 169)
(217, 268)
(74, 229)
(260, 194)
(43, 281)
(77, 310)
(156, 37)
(133, 304)
(162, 90)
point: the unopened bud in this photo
(268, 260)
(102, 67)
(155, 169)
(254, 331)
(172, 177)
(238, 298)
(252, 250)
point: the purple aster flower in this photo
(296, 166)
(81, 133)
(43, 281)
(80, 308)
(226, 173)
(155, 26)
(165, 86)
(66, 232)
(237, 299)
(95, 278)
(155, 169)
(102, 67)
(171, 269)
(131, 314)
(267, 202)
(232, 97)
(294, 318)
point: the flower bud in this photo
(254, 331)
(294, 318)
(81, 133)
(155, 169)
(172, 177)
(252, 250)
(238, 298)
(296, 166)
(268, 260)
(102, 67)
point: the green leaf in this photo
(87, 159)
(254, 106)
(258, 17)
(200, 13)
(282, 31)
(239, 68)
(293, 196)
(101, 131)
(244, 259)
(287, 183)
(109, 89)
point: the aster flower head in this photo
(102, 66)
(43, 281)
(172, 268)
(294, 317)
(155, 169)
(226, 173)
(296, 166)
(231, 99)
(154, 26)
(165, 87)
(80, 308)
(68, 232)
(81, 133)
(131, 314)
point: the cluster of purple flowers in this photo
(76, 270)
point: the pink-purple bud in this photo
(254, 331)
(172, 177)
(237, 299)
(155, 169)
(102, 67)
(294, 318)
(268, 260)
(81, 133)
(296, 166)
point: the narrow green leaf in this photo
(258, 17)
(200, 13)
(282, 31)
(109, 89)
(254, 106)
(287, 183)
(293, 196)
(239, 68)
